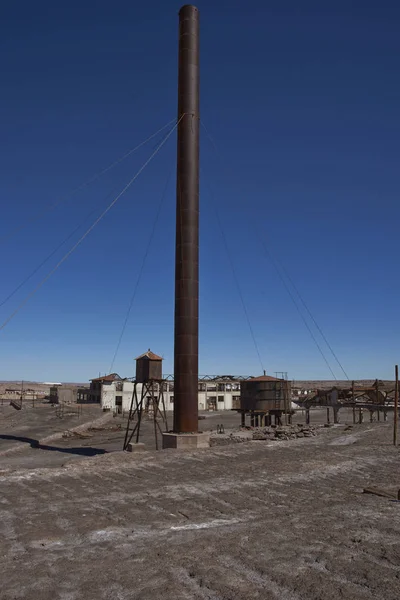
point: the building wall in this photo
(83, 395)
(95, 391)
(108, 393)
(63, 394)
(127, 393)
(221, 399)
(67, 395)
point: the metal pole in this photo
(286, 400)
(186, 354)
(396, 405)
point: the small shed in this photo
(148, 366)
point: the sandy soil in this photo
(41, 421)
(268, 520)
(33, 438)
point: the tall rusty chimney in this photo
(186, 352)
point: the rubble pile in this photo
(234, 437)
(272, 433)
(285, 432)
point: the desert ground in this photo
(261, 519)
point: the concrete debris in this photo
(71, 433)
(289, 432)
(106, 428)
(136, 447)
(234, 437)
(272, 433)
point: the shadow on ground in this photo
(87, 451)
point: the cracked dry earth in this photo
(270, 520)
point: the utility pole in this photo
(396, 405)
(186, 348)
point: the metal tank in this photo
(148, 367)
(264, 394)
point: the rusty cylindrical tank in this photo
(264, 394)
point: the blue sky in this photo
(302, 102)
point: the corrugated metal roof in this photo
(111, 377)
(150, 355)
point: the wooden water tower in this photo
(148, 367)
(147, 398)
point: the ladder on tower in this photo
(146, 402)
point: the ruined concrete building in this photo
(215, 393)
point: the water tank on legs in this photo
(264, 393)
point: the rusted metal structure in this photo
(187, 226)
(147, 398)
(264, 397)
(396, 404)
(148, 366)
(377, 399)
(263, 393)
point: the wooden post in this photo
(243, 419)
(328, 420)
(336, 415)
(307, 416)
(396, 405)
(286, 397)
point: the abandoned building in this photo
(215, 393)
(114, 393)
(68, 394)
(96, 386)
